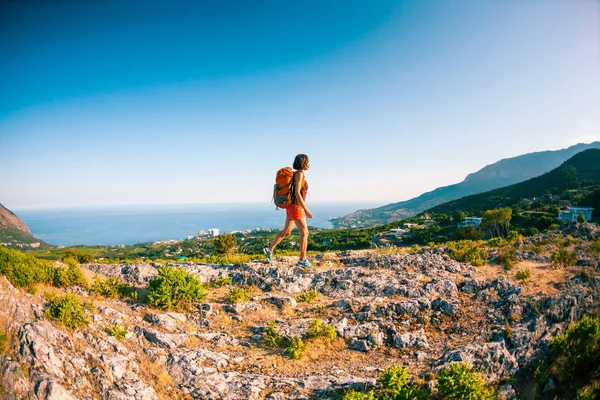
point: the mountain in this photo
(15, 233)
(505, 172)
(580, 171)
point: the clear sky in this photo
(157, 102)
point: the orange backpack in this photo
(283, 189)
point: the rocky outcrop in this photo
(423, 311)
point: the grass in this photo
(239, 294)
(307, 297)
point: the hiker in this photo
(296, 213)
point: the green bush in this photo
(507, 257)
(174, 287)
(24, 271)
(590, 391)
(524, 275)
(458, 382)
(595, 247)
(295, 348)
(77, 256)
(272, 338)
(239, 294)
(117, 331)
(395, 385)
(71, 275)
(467, 251)
(578, 349)
(564, 258)
(222, 281)
(354, 395)
(66, 310)
(394, 378)
(318, 328)
(113, 287)
(307, 297)
(2, 342)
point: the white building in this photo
(573, 212)
(213, 232)
(470, 221)
(398, 232)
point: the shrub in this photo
(590, 391)
(173, 287)
(113, 287)
(24, 271)
(564, 258)
(307, 297)
(2, 342)
(318, 328)
(394, 378)
(239, 294)
(295, 348)
(457, 382)
(71, 275)
(77, 256)
(467, 251)
(580, 218)
(524, 275)
(395, 385)
(222, 281)
(507, 257)
(469, 233)
(66, 310)
(577, 351)
(595, 247)
(354, 395)
(117, 331)
(272, 337)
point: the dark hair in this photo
(301, 162)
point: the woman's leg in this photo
(287, 229)
(303, 229)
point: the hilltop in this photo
(580, 171)
(502, 173)
(276, 331)
(15, 233)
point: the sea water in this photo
(137, 224)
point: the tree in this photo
(497, 221)
(470, 233)
(225, 243)
(459, 216)
(580, 218)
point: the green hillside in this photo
(576, 176)
(505, 172)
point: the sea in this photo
(116, 225)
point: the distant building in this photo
(408, 225)
(398, 232)
(573, 212)
(213, 232)
(470, 221)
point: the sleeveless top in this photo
(303, 190)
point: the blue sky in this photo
(156, 102)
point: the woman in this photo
(295, 213)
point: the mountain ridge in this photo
(504, 172)
(15, 233)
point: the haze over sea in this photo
(116, 225)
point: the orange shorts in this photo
(294, 212)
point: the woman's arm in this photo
(298, 193)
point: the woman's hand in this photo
(308, 213)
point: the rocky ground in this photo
(422, 311)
